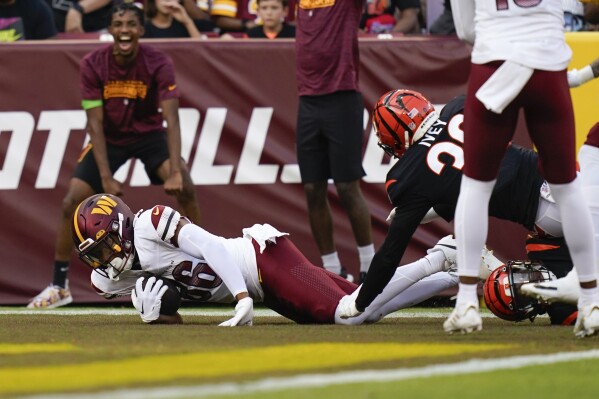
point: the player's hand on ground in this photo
(147, 300)
(244, 314)
(347, 307)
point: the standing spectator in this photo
(519, 60)
(123, 86)
(443, 25)
(272, 14)
(169, 19)
(573, 15)
(199, 11)
(330, 123)
(25, 20)
(591, 16)
(387, 16)
(81, 16)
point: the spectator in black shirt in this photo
(169, 19)
(272, 14)
(25, 20)
(81, 16)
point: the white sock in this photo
(471, 224)
(588, 157)
(331, 262)
(468, 293)
(587, 296)
(366, 253)
(577, 227)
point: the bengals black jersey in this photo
(429, 175)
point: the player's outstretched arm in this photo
(579, 77)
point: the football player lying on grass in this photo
(186, 261)
(424, 184)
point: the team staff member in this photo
(330, 136)
(123, 86)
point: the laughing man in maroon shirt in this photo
(124, 86)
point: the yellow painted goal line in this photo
(206, 365)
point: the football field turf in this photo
(110, 353)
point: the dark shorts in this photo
(152, 151)
(330, 137)
(297, 289)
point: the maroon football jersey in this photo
(327, 45)
(131, 95)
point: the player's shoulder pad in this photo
(165, 221)
(455, 106)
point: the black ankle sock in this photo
(61, 269)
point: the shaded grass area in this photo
(89, 339)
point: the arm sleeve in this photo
(90, 85)
(224, 8)
(165, 79)
(463, 19)
(197, 242)
(387, 258)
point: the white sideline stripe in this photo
(322, 380)
(208, 312)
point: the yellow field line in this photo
(159, 369)
(21, 349)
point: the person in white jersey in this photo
(519, 61)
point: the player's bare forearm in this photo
(95, 130)
(170, 110)
(595, 67)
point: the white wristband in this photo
(586, 74)
(579, 77)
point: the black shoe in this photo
(348, 276)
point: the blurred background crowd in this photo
(267, 19)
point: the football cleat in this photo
(587, 323)
(464, 319)
(52, 296)
(348, 276)
(565, 289)
(447, 245)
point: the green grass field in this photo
(110, 353)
